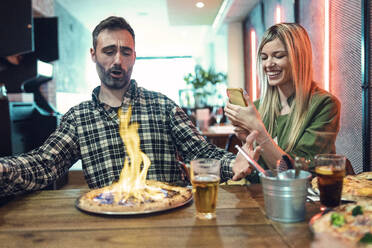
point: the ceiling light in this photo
(199, 4)
(222, 12)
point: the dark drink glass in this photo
(330, 170)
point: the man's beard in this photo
(111, 82)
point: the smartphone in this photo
(236, 96)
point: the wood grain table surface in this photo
(50, 219)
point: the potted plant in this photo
(203, 83)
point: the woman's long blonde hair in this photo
(298, 46)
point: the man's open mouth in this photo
(116, 73)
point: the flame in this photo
(132, 182)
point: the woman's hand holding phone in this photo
(241, 111)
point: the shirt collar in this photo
(290, 99)
(128, 98)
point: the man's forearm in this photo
(18, 176)
(6, 182)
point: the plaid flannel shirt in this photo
(89, 132)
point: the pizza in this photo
(108, 199)
(132, 193)
(355, 187)
(348, 225)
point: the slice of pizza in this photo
(350, 224)
(365, 175)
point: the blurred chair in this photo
(231, 141)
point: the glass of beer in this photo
(330, 170)
(205, 178)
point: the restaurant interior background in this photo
(172, 36)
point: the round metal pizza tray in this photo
(77, 205)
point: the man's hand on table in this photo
(241, 167)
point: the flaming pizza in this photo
(156, 196)
(133, 193)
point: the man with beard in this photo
(89, 131)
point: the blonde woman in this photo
(293, 117)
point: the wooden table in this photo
(50, 219)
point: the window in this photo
(163, 74)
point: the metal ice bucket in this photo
(285, 195)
